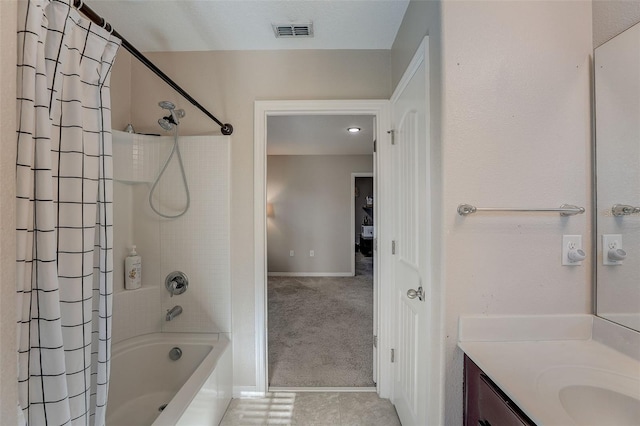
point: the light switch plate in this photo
(570, 242)
(610, 241)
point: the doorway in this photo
(388, 286)
(264, 110)
(362, 226)
(319, 312)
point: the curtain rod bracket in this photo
(227, 129)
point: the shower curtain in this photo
(64, 214)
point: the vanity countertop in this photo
(553, 368)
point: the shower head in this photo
(166, 105)
(169, 121)
(166, 122)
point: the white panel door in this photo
(410, 159)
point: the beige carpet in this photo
(321, 330)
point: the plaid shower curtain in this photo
(64, 214)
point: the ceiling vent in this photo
(293, 30)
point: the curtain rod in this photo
(225, 128)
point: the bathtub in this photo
(148, 388)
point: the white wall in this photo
(516, 133)
(8, 382)
(196, 243)
(311, 198)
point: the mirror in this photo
(617, 160)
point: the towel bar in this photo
(564, 210)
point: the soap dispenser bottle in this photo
(133, 270)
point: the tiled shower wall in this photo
(196, 243)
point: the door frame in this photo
(380, 110)
(355, 175)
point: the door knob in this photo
(419, 293)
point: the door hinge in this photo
(393, 247)
(393, 355)
(393, 136)
(375, 341)
(375, 244)
(375, 146)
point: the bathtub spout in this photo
(173, 312)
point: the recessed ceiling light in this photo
(353, 129)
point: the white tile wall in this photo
(135, 156)
(196, 243)
(123, 234)
(136, 312)
(146, 236)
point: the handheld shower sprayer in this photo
(174, 116)
(168, 123)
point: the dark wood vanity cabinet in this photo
(485, 404)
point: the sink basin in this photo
(590, 405)
(591, 396)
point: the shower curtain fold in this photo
(64, 210)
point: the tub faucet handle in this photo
(176, 283)
(176, 288)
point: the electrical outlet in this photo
(312, 253)
(571, 243)
(291, 253)
(610, 242)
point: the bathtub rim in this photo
(219, 343)
(162, 337)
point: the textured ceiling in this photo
(187, 25)
(319, 135)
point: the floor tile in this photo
(274, 409)
(366, 409)
(312, 409)
(316, 409)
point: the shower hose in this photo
(174, 150)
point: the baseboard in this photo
(310, 274)
(322, 389)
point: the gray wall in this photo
(611, 17)
(311, 198)
(422, 18)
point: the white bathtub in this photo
(196, 388)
